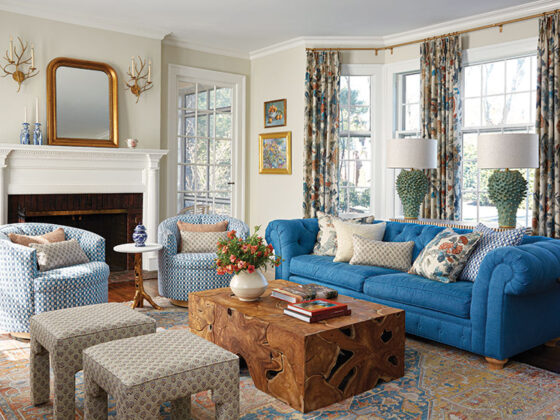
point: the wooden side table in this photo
(140, 294)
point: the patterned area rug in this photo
(439, 382)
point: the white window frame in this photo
(375, 72)
(177, 73)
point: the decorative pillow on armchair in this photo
(193, 242)
(491, 239)
(445, 256)
(211, 227)
(56, 235)
(326, 238)
(59, 254)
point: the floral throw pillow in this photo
(326, 243)
(445, 256)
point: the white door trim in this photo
(238, 83)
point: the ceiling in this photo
(243, 26)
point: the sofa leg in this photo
(495, 364)
(553, 343)
(20, 336)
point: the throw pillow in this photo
(395, 255)
(344, 232)
(59, 254)
(326, 238)
(211, 227)
(200, 241)
(445, 256)
(56, 235)
(491, 239)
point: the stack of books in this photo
(317, 310)
(303, 292)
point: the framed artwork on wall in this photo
(275, 153)
(275, 113)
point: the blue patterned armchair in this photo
(25, 291)
(181, 273)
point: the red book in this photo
(317, 318)
(314, 307)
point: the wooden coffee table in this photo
(307, 366)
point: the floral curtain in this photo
(440, 70)
(546, 208)
(322, 89)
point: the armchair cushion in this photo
(196, 261)
(59, 254)
(56, 235)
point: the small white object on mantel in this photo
(29, 169)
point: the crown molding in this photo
(83, 20)
(508, 13)
(181, 43)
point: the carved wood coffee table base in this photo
(307, 366)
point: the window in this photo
(499, 96)
(408, 114)
(204, 148)
(355, 149)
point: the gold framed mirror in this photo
(82, 103)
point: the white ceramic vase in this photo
(248, 286)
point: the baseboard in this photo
(150, 262)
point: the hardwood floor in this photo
(121, 289)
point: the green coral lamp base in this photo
(412, 187)
(507, 190)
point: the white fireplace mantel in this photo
(27, 169)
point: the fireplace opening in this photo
(112, 216)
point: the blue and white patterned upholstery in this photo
(181, 273)
(491, 239)
(24, 291)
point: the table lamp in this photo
(507, 189)
(412, 185)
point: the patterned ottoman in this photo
(63, 335)
(143, 372)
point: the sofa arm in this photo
(18, 268)
(93, 245)
(523, 270)
(291, 238)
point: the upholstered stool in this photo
(63, 335)
(143, 372)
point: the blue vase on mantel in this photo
(37, 135)
(24, 134)
(139, 235)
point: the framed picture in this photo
(275, 153)
(275, 113)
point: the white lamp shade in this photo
(505, 151)
(412, 153)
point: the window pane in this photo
(344, 90)
(344, 117)
(189, 150)
(202, 151)
(518, 74)
(223, 151)
(360, 90)
(518, 108)
(203, 102)
(189, 126)
(223, 126)
(189, 101)
(202, 128)
(492, 110)
(469, 206)
(358, 148)
(412, 88)
(493, 78)
(534, 74)
(358, 200)
(473, 81)
(359, 173)
(359, 119)
(343, 201)
(472, 112)
(412, 117)
(488, 212)
(223, 97)
(222, 176)
(201, 178)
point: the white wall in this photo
(271, 196)
(55, 39)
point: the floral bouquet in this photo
(236, 254)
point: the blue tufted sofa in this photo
(511, 307)
(25, 291)
(182, 273)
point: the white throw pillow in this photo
(326, 237)
(192, 242)
(59, 254)
(345, 231)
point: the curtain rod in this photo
(417, 41)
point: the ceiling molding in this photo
(87, 21)
(177, 42)
(514, 12)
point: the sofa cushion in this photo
(322, 268)
(449, 298)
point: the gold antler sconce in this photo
(140, 78)
(19, 66)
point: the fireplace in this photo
(112, 216)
